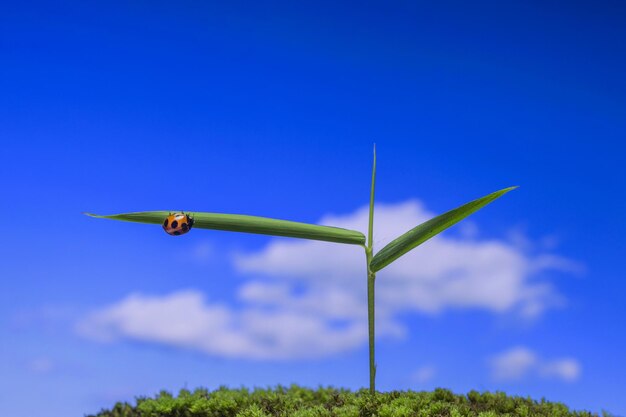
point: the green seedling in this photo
(374, 262)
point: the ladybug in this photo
(177, 224)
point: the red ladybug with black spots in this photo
(177, 224)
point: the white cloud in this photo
(424, 374)
(567, 369)
(445, 273)
(185, 319)
(519, 363)
(308, 299)
(513, 364)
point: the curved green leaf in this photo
(428, 229)
(249, 224)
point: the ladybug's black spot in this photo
(177, 233)
(174, 224)
(165, 223)
(184, 226)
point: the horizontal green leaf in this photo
(428, 229)
(249, 224)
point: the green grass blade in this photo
(249, 224)
(370, 226)
(428, 229)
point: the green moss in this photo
(295, 401)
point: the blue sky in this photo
(272, 110)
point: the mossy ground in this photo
(329, 402)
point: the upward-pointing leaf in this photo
(428, 229)
(249, 224)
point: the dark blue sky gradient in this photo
(272, 109)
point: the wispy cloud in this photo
(520, 362)
(186, 319)
(308, 299)
(424, 374)
(567, 369)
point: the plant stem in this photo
(371, 278)
(370, 228)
